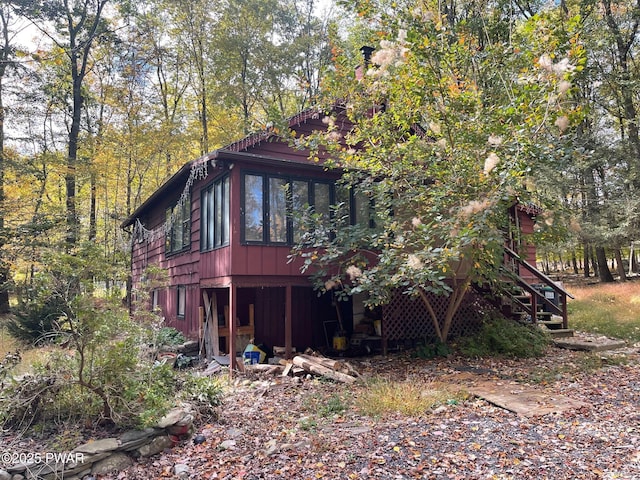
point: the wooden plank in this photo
(207, 326)
(317, 369)
(215, 337)
(515, 397)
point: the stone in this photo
(98, 446)
(17, 477)
(4, 475)
(136, 438)
(178, 430)
(157, 445)
(227, 444)
(135, 435)
(234, 433)
(114, 463)
(187, 420)
(171, 418)
(181, 470)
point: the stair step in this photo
(561, 333)
(551, 325)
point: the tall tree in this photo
(443, 143)
(6, 62)
(78, 24)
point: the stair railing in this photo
(537, 295)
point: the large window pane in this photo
(299, 203)
(181, 300)
(277, 210)
(215, 215)
(207, 225)
(225, 212)
(218, 201)
(363, 209)
(186, 223)
(322, 200)
(253, 208)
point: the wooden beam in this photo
(232, 328)
(288, 334)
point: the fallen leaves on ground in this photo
(281, 427)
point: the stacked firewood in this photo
(310, 363)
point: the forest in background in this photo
(102, 100)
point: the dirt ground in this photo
(280, 427)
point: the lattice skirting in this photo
(406, 318)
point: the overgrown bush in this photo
(99, 372)
(36, 319)
(432, 349)
(507, 338)
(169, 336)
(204, 393)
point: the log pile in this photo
(313, 364)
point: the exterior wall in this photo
(260, 272)
(244, 265)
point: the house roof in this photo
(238, 149)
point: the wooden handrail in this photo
(545, 279)
(535, 293)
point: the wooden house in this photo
(222, 229)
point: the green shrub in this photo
(204, 393)
(100, 372)
(506, 338)
(169, 336)
(36, 319)
(431, 350)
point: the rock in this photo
(178, 429)
(157, 445)
(187, 420)
(114, 463)
(234, 433)
(98, 446)
(17, 477)
(171, 418)
(271, 447)
(199, 439)
(181, 470)
(135, 435)
(4, 475)
(134, 439)
(227, 444)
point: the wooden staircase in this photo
(540, 301)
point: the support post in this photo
(232, 328)
(288, 334)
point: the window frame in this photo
(181, 301)
(181, 219)
(267, 207)
(216, 211)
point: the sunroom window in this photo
(269, 203)
(214, 228)
(178, 218)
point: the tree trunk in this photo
(587, 271)
(574, 262)
(620, 264)
(594, 261)
(4, 266)
(603, 269)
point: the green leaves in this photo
(447, 123)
